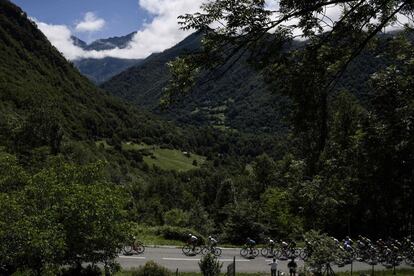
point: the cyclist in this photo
(348, 244)
(284, 245)
(211, 242)
(348, 241)
(361, 243)
(271, 244)
(250, 244)
(192, 240)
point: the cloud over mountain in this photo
(160, 33)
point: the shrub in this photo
(90, 270)
(151, 268)
(322, 254)
(177, 233)
(210, 265)
(176, 217)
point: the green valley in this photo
(234, 132)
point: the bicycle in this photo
(212, 250)
(268, 252)
(190, 250)
(286, 253)
(136, 246)
(247, 251)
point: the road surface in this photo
(173, 258)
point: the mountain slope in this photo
(48, 108)
(227, 102)
(240, 99)
(37, 83)
(100, 70)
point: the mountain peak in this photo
(105, 43)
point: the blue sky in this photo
(121, 16)
(155, 21)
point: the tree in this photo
(210, 265)
(264, 171)
(243, 222)
(177, 217)
(277, 214)
(323, 253)
(391, 139)
(63, 215)
(41, 128)
(235, 29)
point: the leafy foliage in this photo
(151, 268)
(324, 253)
(210, 265)
(64, 215)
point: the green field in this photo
(167, 159)
(133, 146)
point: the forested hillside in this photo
(239, 100)
(46, 103)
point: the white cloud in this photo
(60, 37)
(90, 23)
(159, 34)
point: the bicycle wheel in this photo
(197, 250)
(217, 252)
(409, 261)
(303, 254)
(205, 251)
(127, 250)
(244, 252)
(140, 248)
(255, 252)
(187, 250)
(264, 252)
